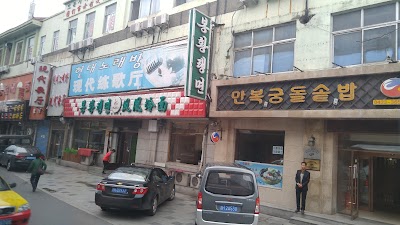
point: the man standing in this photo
(302, 180)
(106, 160)
(37, 168)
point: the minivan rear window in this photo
(230, 183)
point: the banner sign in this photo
(267, 175)
(40, 86)
(200, 27)
(158, 67)
(380, 91)
(154, 105)
(13, 111)
(58, 90)
(74, 7)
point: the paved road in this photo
(47, 210)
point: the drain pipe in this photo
(204, 148)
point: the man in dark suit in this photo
(302, 180)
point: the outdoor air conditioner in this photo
(194, 181)
(148, 25)
(136, 29)
(249, 3)
(4, 69)
(87, 43)
(181, 179)
(161, 20)
(73, 46)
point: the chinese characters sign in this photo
(16, 88)
(58, 90)
(155, 105)
(74, 7)
(267, 175)
(12, 111)
(158, 67)
(200, 27)
(40, 86)
(355, 92)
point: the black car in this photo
(18, 156)
(135, 187)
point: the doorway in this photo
(126, 151)
(56, 143)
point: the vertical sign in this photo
(40, 86)
(58, 90)
(198, 52)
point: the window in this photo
(150, 7)
(56, 35)
(18, 52)
(109, 18)
(135, 6)
(7, 50)
(29, 48)
(41, 47)
(230, 183)
(1, 56)
(89, 25)
(260, 146)
(366, 36)
(264, 51)
(72, 31)
(186, 143)
(181, 2)
(89, 135)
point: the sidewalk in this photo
(77, 188)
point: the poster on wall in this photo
(267, 175)
(158, 67)
(58, 90)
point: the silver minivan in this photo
(228, 194)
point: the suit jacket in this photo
(304, 182)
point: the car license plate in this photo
(30, 158)
(5, 222)
(228, 208)
(119, 190)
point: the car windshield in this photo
(230, 183)
(130, 174)
(3, 185)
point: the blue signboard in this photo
(158, 67)
(267, 175)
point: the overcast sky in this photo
(15, 12)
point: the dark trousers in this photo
(105, 165)
(35, 180)
(303, 193)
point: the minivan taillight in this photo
(257, 209)
(101, 187)
(200, 201)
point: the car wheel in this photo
(154, 206)
(9, 166)
(172, 195)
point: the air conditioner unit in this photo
(194, 181)
(249, 3)
(87, 43)
(181, 179)
(136, 29)
(4, 69)
(148, 26)
(72, 47)
(161, 20)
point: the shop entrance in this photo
(56, 143)
(368, 184)
(127, 148)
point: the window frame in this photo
(1, 55)
(21, 56)
(72, 29)
(271, 44)
(41, 45)
(29, 56)
(87, 25)
(55, 41)
(363, 28)
(105, 30)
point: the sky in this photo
(15, 12)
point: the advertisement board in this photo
(267, 175)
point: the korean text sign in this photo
(200, 27)
(267, 175)
(40, 86)
(158, 67)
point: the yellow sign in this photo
(386, 102)
(313, 164)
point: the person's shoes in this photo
(302, 212)
(296, 211)
(103, 172)
(34, 189)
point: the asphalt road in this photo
(47, 210)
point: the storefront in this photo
(271, 124)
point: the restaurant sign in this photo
(74, 7)
(155, 105)
(200, 27)
(40, 86)
(58, 90)
(13, 110)
(353, 92)
(158, 67)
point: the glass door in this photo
(354, 186)
(365, 182)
